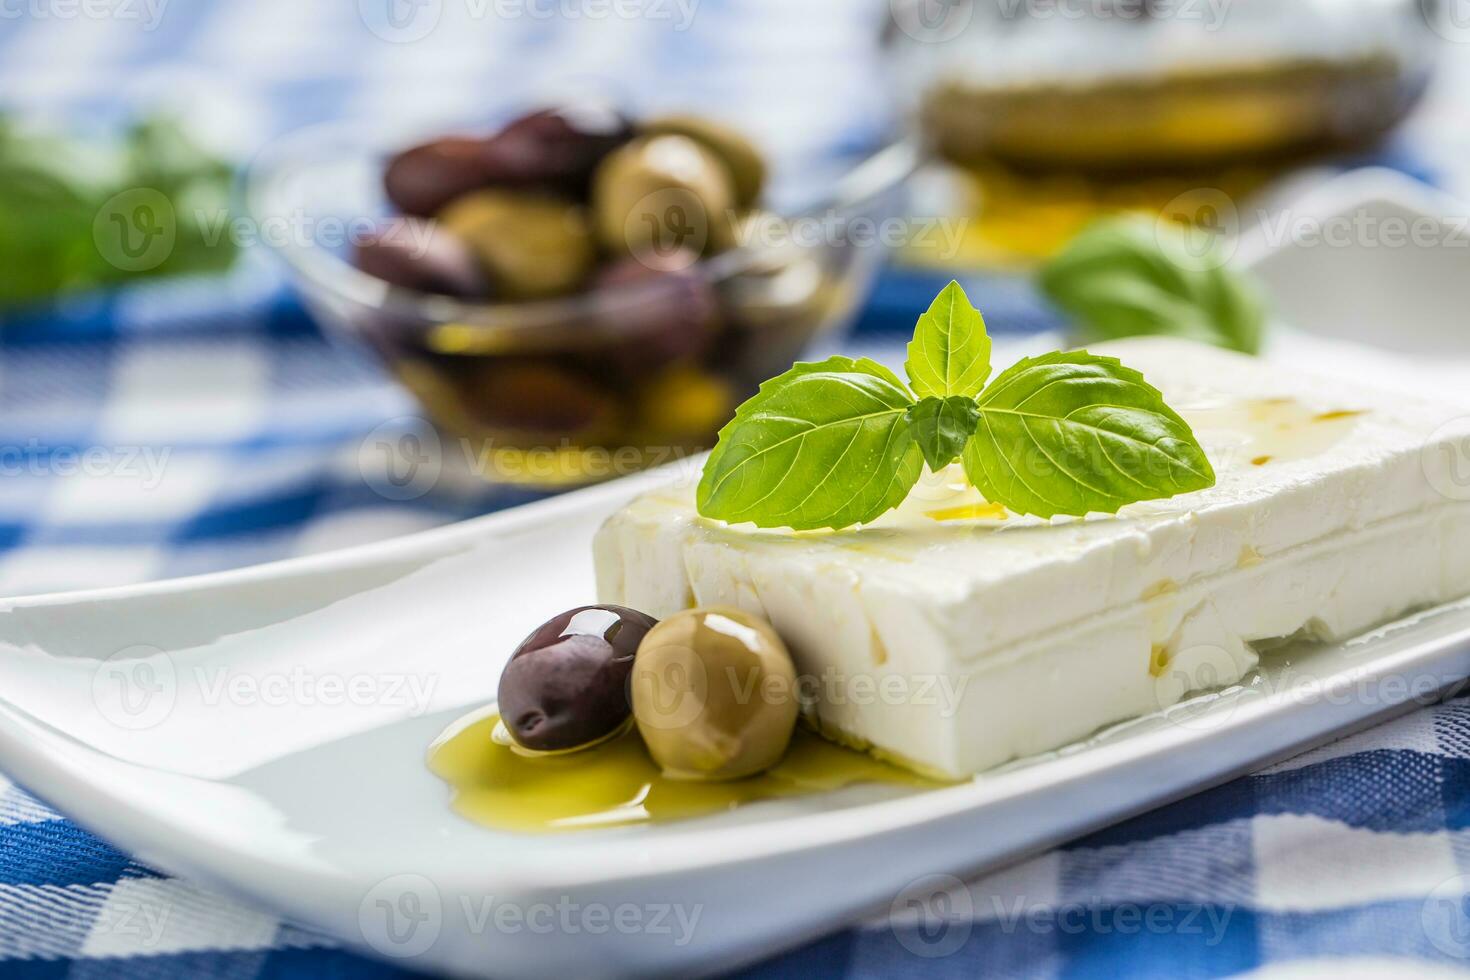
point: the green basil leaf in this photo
(950, 352)
(942, 426)
(1075, 433)
(52, 190)
(1132, 275)
(822, 446)
(1237, 309)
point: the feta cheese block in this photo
(953, 636)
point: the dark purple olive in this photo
(567, 683)
(557, 148)
(423, 179)
(551, 150)
(412, 253)
(663, 307)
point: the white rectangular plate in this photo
(264, 731)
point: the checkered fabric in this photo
(191, 426)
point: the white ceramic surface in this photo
(1372, 258)
(197, 725)
(263, 732)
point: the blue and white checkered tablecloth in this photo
(187, 427)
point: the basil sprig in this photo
(1129, 275)
(843, 441)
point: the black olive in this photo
(655, 310)
(423, 179)
(557, 148)
(553, 150)
(415, 254)
(567, 683)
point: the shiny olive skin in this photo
(532, 246)
(714, 694)
(661, 309)
(747, 166)
(661, 194)
(554, 150)
(687, 401)
(412, 253)
(558, 148)
(566, 685)
(423, 179)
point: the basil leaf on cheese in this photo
(824, 445)
(941, 426)
(950, 352)
(1074, 433)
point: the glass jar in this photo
(1059, 109)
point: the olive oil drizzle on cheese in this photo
(969, 512)
(1275, 430)
(616, 783)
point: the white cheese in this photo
(957, 639)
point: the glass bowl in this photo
(568, 391)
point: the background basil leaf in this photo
(164, 157)
(941, 427)
(1132, 275)
(822, 446)
(1073, 433)
(950, 352)
(54, 191)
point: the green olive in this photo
(531, 246)
(686, 401)
(747, 166)
(661, 194)
(714, 694)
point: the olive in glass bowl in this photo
(558, 357)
